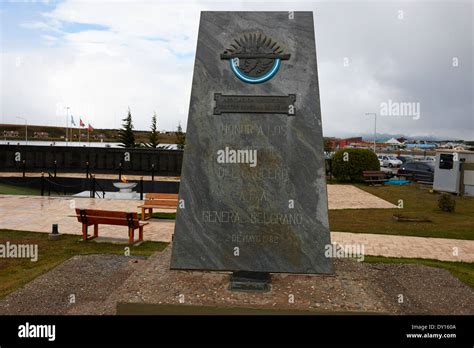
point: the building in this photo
(11, 134)
(41, 135)
(394, 142)
(342, 143)
(454, 172)
(421, 146)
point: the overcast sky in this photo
(101, 57)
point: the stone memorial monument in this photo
(253, 188)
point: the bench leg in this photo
(146, 216)
(140, 233)
(96, 230)
(130, 236)
(84, 231)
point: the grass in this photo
(14, 273)
(416, 203)
(462, 270)
(6, 189)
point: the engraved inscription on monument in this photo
(254, 104)
(253, 188)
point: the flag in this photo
(81, 123)
(72, 121)
(90, 128)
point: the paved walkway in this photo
(37, 214)
(409, 247)
(351, 197)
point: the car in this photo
(418, 170)
(390, 161)
(430, 158)
(405, 158)
(379, 157)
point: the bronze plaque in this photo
(250, 104)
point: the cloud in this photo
(101, 57)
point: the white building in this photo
(454, 172)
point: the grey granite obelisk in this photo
(253, 188)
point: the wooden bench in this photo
(89, 217)
(374, 177)
(158, 200)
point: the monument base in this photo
(250, 281)
(354, 288)
(157, 289)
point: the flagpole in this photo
(81, 124)
(67, 124)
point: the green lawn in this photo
(14, 273)
(6, 189)
(462, 270)
(417, 203)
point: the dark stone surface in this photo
(231, 207)
(101, 159)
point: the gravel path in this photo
(87, 279)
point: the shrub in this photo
(350, 167)
(446, 203)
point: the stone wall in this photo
(101, 160)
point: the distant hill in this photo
(35, 132)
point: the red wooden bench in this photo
(158, 200)
(374, 177)
(89, 217)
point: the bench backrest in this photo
(108, 217)
(373, 173)
(161, 196)
(163, 199)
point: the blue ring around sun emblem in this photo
(250, 79)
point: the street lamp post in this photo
(375, 125)
(67, 123)
(26, 128)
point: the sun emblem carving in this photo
(255, 57)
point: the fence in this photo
(27, 158)
(47, 184)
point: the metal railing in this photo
(50, 185)
(93, 184)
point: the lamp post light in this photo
(375, 125)
(26, 128)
